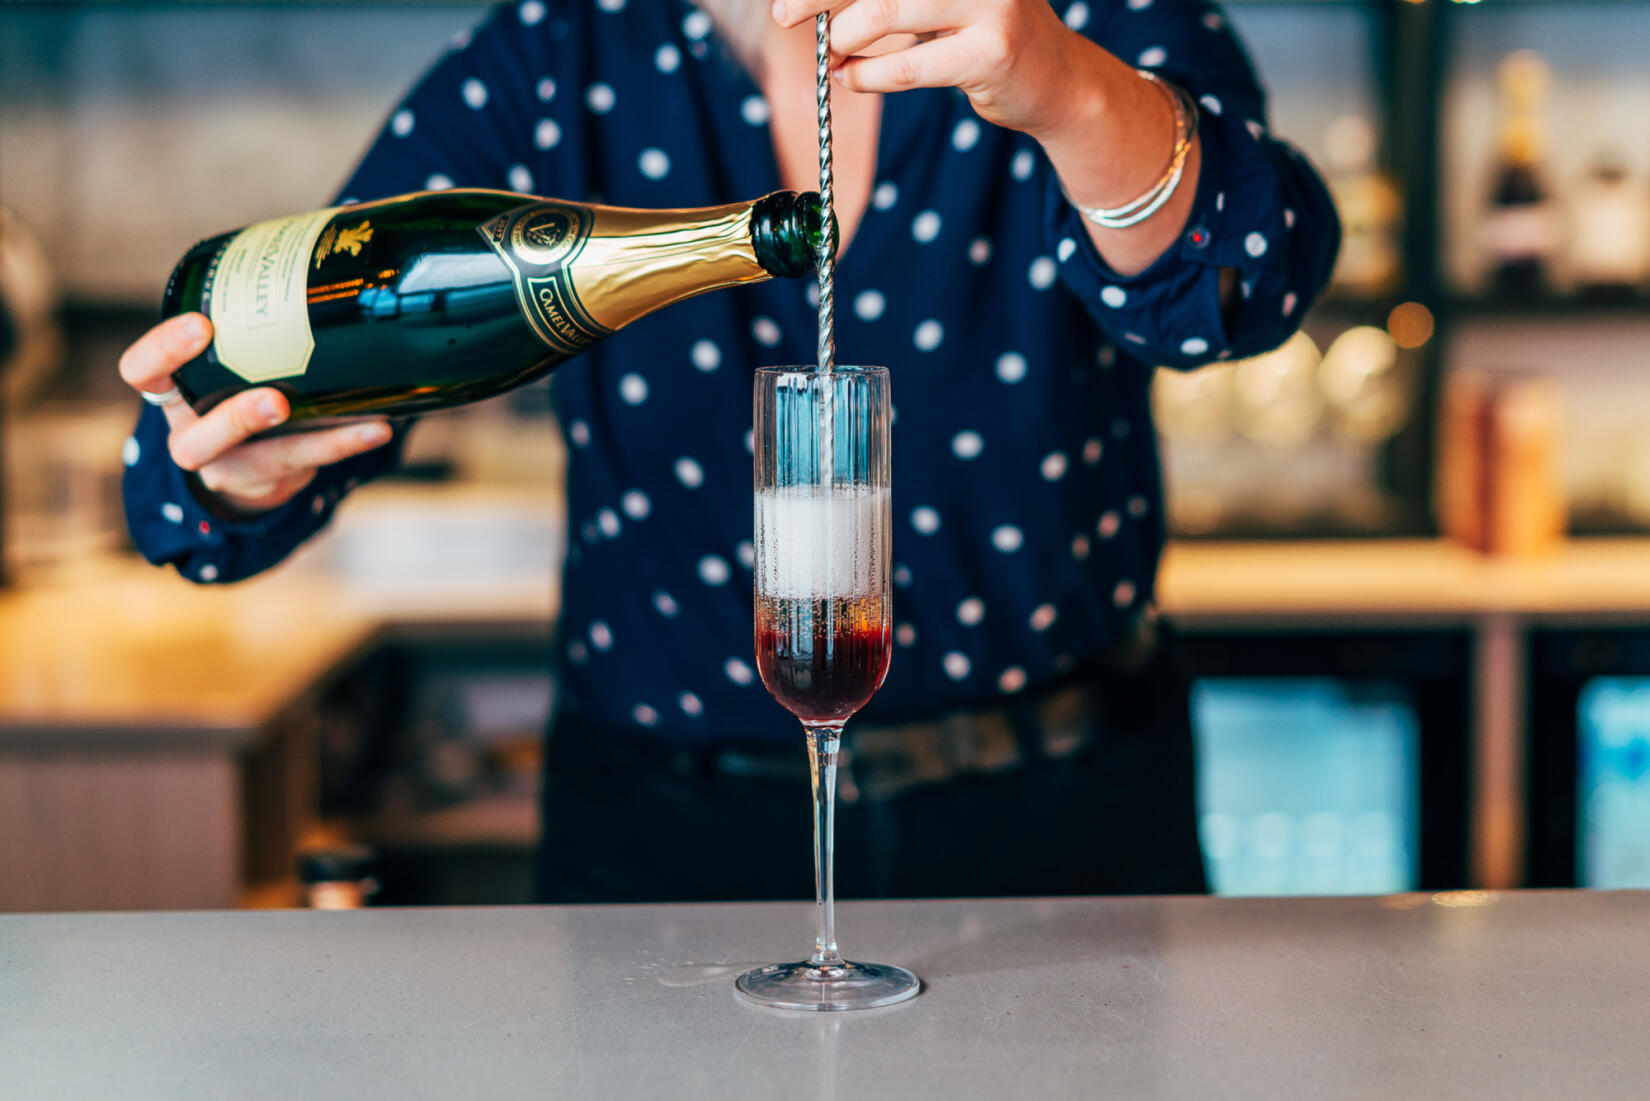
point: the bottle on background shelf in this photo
(435, 299)
(1610, 215)
(1370, 208)
(1522, 231)
(1500, 486)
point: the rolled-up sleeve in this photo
(1261, 208)
(460, 126)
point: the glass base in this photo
(846, 985)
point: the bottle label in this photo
(257, 293)
(540, 242)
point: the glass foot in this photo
(846, 985)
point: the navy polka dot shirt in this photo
(1027, 501)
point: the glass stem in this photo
(824, 740)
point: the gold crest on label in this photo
(546, 235)
(336, 240)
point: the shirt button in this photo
(1198, 237)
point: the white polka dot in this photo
(925, 520)
(1115, 297)
(956, 665)
(928, 335)
(925, 226)
(521, 179)
(1123, 595)
(696, 24)
(965, 135)
(645, 715)
(653, 163)
(1288, 218)
(1007, 538)
(1137, 506)
(706, 356)
(1043, 617)
(546, 90)
(1255, 245)
(738, 672)
(1211, 104)
(1194, 346)
(971, 611)
(475, 94)
(868, 305)
(611, 6)
(633, 389)
(1246, 288)
(579, 433)
(461, 38)
(885, 195)
(1091, 451)
(439, 181)
(1042, 273)
(600, 98)
(577, 652)
(690, 704)
(667, 58)
(1022, 164)
(1012, 680)
(1120, 428)
(1134, 338)
(1011, 367)
(546, 135)
(1079, 547)
(905, 635)
(608, 521)
(1077, 16)
(713, 570)
(601, 635)
(746, 553)
(689, 473)
(1220, 200)
(130, 452)
(1139, 5)
(754, 110)
(765, 331)
(1065, 249)
(750, 441)
(172, 511)
(811, 293)
(635, 504)
(1053, 466)
(666, 604)
(1110, 521)
(1256, 130)
(1290, 301)
(979, 251)
(967, 445)
(531, 11)
(401, 123)
(1214, 21)
(1152, 57)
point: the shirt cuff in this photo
(1171, 312)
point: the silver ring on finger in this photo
(162, 399)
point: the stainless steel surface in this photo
(1457, 995)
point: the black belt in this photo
(880, 760)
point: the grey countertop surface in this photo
(1452, 995)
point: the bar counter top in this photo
(1463, 994)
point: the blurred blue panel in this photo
(1306, 786)
(1613, 775)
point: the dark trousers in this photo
(628, 821)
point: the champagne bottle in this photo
(431, 300)
(1521, 231)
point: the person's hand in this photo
(248, 477)
(1017, 62)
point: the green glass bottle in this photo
(426, 301)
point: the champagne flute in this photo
(823, 622)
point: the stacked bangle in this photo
(1185, 129)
